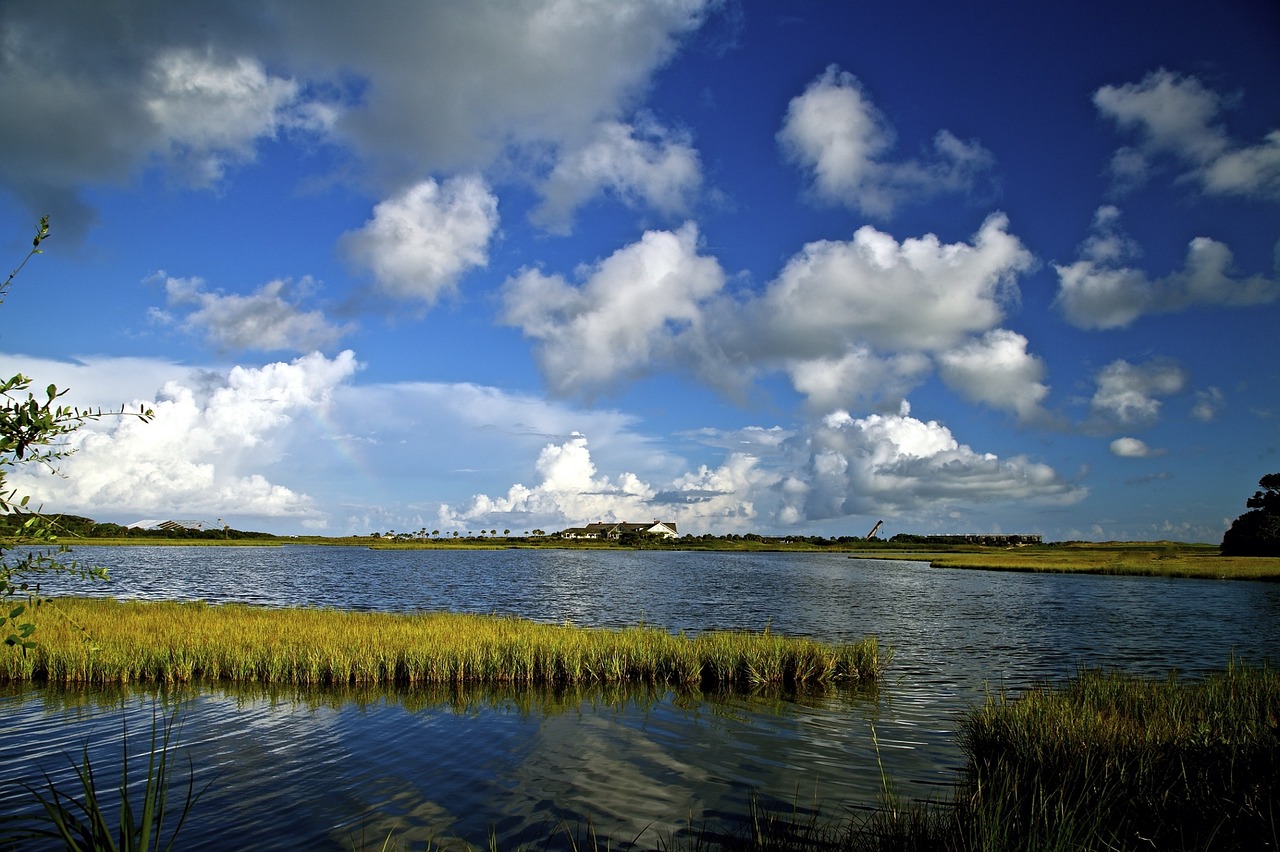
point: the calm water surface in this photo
(295, 769)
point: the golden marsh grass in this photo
(1142, 559)
(105, 641)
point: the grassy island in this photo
(105, 641)
(1139, 559)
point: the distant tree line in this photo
(987, 539)
(76, 526)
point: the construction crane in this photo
(874, 530)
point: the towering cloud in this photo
(206, 451)
(837, 467)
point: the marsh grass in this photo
(1138, 559)
(169, 642)
(1139, 763)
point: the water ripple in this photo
(291, 770)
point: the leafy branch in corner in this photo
(42, 234)
(34, 430)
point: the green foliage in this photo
(638, 539)
(1257, 533)
(34, 427)
(79, 527)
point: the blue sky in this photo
(772, 267)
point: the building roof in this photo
(606, 529)
(152, 524)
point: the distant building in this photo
(613, 532)
(173, 526)
(985, 539)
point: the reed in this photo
(169, 642)
(86, 815)
(1135, 762)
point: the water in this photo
(292, 769)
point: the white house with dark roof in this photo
(611, 531)
(172, 526)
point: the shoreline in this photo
(1174, 560)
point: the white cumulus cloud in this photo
(1129, 394)
(919, 294)
(642, 164)
(891, 464)
(865, 319)
(997, 370)
(1176, 118)
(857, 375)
(1100, 292)
(419, 243)
(846, 321)
(624, 318)
(834, 132)
(205, 451)
(1133, 448)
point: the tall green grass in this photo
(167, 642)
(1134, 763)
